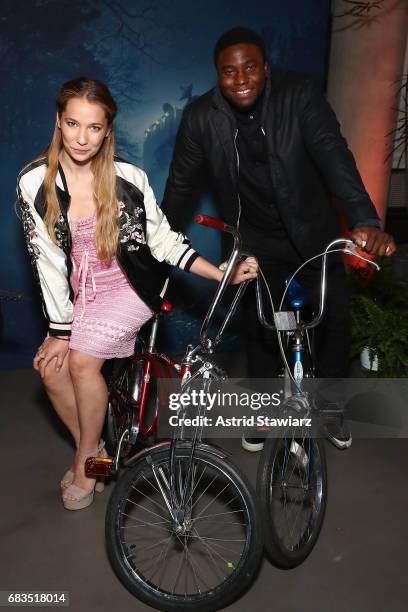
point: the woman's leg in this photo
(91, 396)
(60, 391)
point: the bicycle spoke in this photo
(211, 557)
(197, 483)
(149, 482)
(163, 565)
(188, 558)
(205, 490)
(214, 542)
(178, 571)
(156, 566)
(212, 549)
(146, 548)
(153, 558)
(141, 523)
(213, 500)
(149, 499)
(200, 518)
(146, 510)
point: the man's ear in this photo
(267, 69)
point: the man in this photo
(275, 152)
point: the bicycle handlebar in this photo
(349, 249)
(208, 221)
(217, 224)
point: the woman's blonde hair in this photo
(107, 233)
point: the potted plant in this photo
(380, 322)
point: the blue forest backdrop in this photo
(155, 57)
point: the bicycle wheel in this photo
(292, 490)
(212, 561)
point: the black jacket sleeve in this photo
(183, 184)
(328, 148)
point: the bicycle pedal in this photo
(99, 466)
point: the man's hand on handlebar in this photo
(373, 241)
(245, 270)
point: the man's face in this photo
(242, 71)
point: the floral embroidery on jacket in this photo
(131, 228)
(61, 233)
(29, 230)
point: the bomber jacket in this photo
(146, 241)
(307, 156)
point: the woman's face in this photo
(83, 127)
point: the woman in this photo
(98, 243)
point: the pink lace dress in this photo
(108, 313)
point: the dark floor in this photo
(358, 565)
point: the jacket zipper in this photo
(236, 151)
(239, 198)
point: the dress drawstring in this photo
(84, 269)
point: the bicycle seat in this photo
(166, 306)
(296, 296)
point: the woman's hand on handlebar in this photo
(245, 270)
(52, 348)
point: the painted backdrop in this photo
(155, 57)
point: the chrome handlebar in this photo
(349, 249)
(206, 342)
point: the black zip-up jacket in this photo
(146, 241)
(308, 159)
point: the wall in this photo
(154, 57)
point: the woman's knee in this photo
(82, 366)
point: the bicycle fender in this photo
(165, 445)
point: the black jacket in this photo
(308, 159)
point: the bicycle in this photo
(292, 472)
(169, 533)
(173, 472)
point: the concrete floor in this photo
(359, 563)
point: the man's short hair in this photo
(238, 36)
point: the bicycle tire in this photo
(130, 571)
(289, 550)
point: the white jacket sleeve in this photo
(48, 261)
(164, 243)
